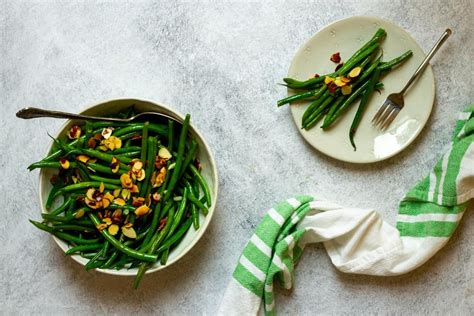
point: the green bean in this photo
(394, 62)
(130, 154)
(49, 164)
(183, 229)
(304, 95)
(202, 183)
(144, 141)
(62, 207)
(82, 248)
(315, 105)
(179, 158)
(96, 167)
(363, 104)
(63, 236)
(105, 157)
(85, 185)
(195, 216)
(125, 150)
(110, 260)
(317, 114)
(120, 246)
(92, 262)
(152, 144)
(180, 212)
(170, 135)
(156, 128)
(128, 137)
(152, 246)
(164, 256)
(198, 203)
(105, 180)
(189, 157)
(334, 107)
(52, 194)
(73, 227)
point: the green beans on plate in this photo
(125, 195)
(332, 94)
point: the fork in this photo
(394, 102)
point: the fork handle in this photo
(427, 59)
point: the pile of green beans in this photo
(330, 101)
(130, 192)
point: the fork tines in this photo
(386, 114)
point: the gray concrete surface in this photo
(219, 62)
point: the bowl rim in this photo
(199, 233)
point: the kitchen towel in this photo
(357, 240)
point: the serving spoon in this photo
(29, 113)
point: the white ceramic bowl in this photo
(204, 154)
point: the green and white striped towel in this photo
(357, 240)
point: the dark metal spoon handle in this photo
(29, 113)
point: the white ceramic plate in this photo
(346, 36)
(204, 154)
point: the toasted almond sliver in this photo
(129, 232)
(105, 203)
(117, 215)
(108, 221)
(141, 175)
(109, 196)
(113, 229)
(107, 132)
(90, 193)
(346, 90)
(82, 158)
(339, 82)
(80, 213)
(345, 79)
(128, 225)
(138, 165)
(355, 72)
(126, 194)
(64, 163)
(156, 197)
(119, 201)
(126, 180)
(101, 226)
(164, 153)
(328, 80)
(142, 210)
(116, 192)
(101, 187)
(134, 189)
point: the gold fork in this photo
(394, 102)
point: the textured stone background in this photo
(219, 62)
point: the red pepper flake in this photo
(197, 164)
(54, 179)
(162, 223)
(332, 87)
(336, 58)
(339, 66)
(74, 132)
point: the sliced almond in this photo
(128, 225)
(141, 175)
(164, 153)
(129, 232)
(126, 180)
(82, 158)
(107, 221)
(101, 187)
(156, 197)
(107, 132)
(115, 165)
(138, 165)
(119, 202)
(109, 196)
(126, 194)
(346, 90)
(101, 226)
(64, 163)
(339, 82)
(113, 229)
(74, 132)
(160, 178)
(328, 80)
(134, 189)
(80, 213)
(105, 203)
(355, 72)
(345, 79)
(138, 201)
(90, 193)
(142, 210)
(117, 216)
(116, 192)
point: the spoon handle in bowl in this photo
(29, 113)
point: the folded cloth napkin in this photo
(357, 240)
